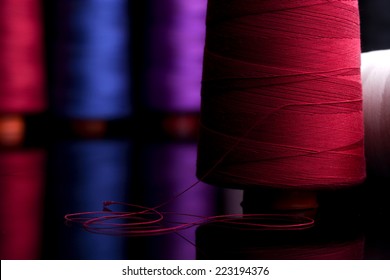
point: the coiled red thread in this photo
(144, 221)
(21, 57)
(150, 221)
(291, 70)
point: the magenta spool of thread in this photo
(281, 99)
(21, 203)
(175, 55)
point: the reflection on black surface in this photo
(81, 174)
(334, 236)
(170, 169)
(85, 173)
(376, 205)
(350, 224)
(21, 203)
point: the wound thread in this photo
(21, 57)
(281, 95)
(91, 61)
(175, 51)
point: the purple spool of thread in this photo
(176, 43)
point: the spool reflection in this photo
(170, 169)
(88, 173)
(21, 200)
(325, 241)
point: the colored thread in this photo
(376, 96)
(21, 57)
(92, 71)
(133, 223)
(21, 198)
(281, 84)
(176, 43)
(87, 172)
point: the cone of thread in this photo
(281, 99)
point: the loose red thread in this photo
(21, 57)
(291, 69)
(145, 221)
(150, 221)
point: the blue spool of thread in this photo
(91, 61)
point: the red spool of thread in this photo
(21, 59)
(281, 95)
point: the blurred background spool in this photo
(21, 203)
(376, 95)
(21, 67)
(281, 97)
(175, 46)
(84, 174)
(174, 54)
(91, 63)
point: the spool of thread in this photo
(376, 96)
(91, 61)
(87, 173)
(21, 65)
(175, 54)
(170, 167)
(21, 56)
(21, 204)
(281, 95)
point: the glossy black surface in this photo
(75, 174)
